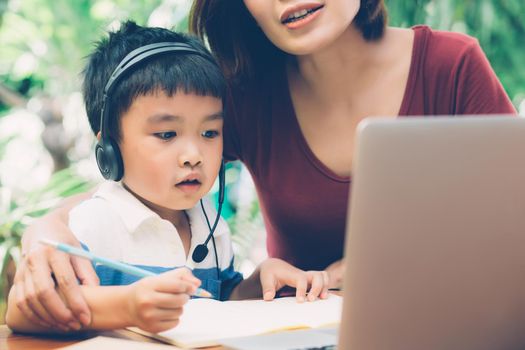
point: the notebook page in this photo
(205, 321)
(103, 343)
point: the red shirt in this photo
(304, 203)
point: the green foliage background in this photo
(58, 34)
(499, 26)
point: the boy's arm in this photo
(336, 272)
(249, 288)
(108, 306)
(152, 303)
(37, 295)
(274, 274)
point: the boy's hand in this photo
(276, 273)
(155, 303)
(336, 272)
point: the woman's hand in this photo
(276, 273)
(336, 273)
(155, 303)
(34, 285)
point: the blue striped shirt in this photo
(115, 224)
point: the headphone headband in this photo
(136, 56)
(146, 51)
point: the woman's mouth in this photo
(297, 18)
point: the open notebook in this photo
(205, 321)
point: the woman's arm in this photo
(36, 295)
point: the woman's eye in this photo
(166, 135)
(210, 134)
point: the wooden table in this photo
(11, 341)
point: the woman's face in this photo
(302, 27)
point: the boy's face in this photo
(172, 147)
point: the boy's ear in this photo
(99, 134)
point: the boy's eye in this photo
(210, 134)
(166, 135)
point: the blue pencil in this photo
(117, 265)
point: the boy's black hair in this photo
(169, 72)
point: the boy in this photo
(165, 120)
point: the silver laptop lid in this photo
(435, 246)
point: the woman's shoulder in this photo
(452, 70)
(443, 37)
(444, 49)
(442, 57)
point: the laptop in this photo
(435, 247)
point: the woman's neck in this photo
(329, 74)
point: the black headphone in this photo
(107, 152)
(200, 251)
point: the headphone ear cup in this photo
(109, 159)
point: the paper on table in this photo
(103, 343)
(205, 321)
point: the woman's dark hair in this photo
(241, 47)
(171, 72)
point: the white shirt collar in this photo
(134, 213)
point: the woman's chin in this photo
(309, 44)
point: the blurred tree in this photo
(3, 8)
(43, 53)
(49, 45)
(497, 24)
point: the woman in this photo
(302, 75)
